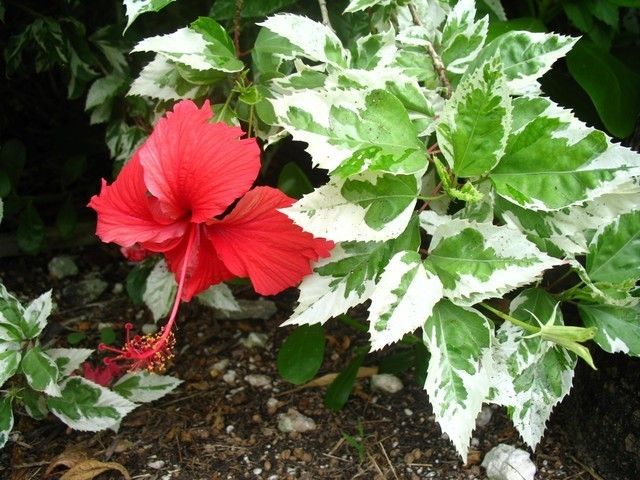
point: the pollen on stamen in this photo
(149, 352)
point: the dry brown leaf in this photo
(89, 469)
(325, 380)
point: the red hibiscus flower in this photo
(172, 198)
(102, 375)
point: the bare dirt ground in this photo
(216, 425)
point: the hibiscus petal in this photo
(123, 210)
(192, 165)
(257, 241)
(204, 268)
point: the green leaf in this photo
(74, 338)
(9, 361)
(137, 280)
(340, 389)
(421, 363)
(13, 327)
(475, 123)
(6, 419)
(353, 131)
(315, 41)
(5, 185)
(618, 328)
(269, 54)
(615, 91)
(293, 181)
(135, 8)
(30, 232)
(13, 157)
(476, 261)
(226, 9)
(67, 218)
(459, 340)
(526, 56)
(397, 362)
(37, 313)
(530, 24)
(614, 252)
(35, 404)
(107, 335)
(160, 290)
(40, 371)
(301, 354)
(68, 360)
(403, 298)
(364, 207)
(143, 387)
(104, 90)
(531, 375)
(86, 406)
(462, 36)
(555, 161)
(358, 5)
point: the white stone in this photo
(386, 382)
(221, 365)
(294, 421)
(273, 404)
(62, 266)
(156, 465)
(505, 462)
(230, 376)
(255, 340)
(258, 381)
(484, 416)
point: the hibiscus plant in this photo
(474, 214)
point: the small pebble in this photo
(505, 462)
(484, 416)
(272, 405)
(408, 412)
(62, 266)
(156, 465)
(230, 376)
(258, 381)
(117, 288)
(294, 421)
(386, 382)
(255, 340)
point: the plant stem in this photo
(524, 325)
(236, 26)
(226, 104)
(250, 123)
(435, 58)
(325, 14)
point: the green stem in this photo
(524, 325)
(250, 124)
(226, 104)
(428, 199)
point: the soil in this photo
(213, 427)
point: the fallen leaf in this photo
(89, 469)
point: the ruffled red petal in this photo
(257, 241)
(204, 267)
(193, 166)
(124, 215)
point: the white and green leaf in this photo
(475, 123)
(476, 261)
(526, 56)
(531, 375)
(462, 36)
(403, 298)
(220, 297)
(37, 313)
(160, 290)
(618, 328)
(364, 207)
(9, 363)
(40, 371)
(614, 251)
(553, 161)
(160, 79)
(358, 5)
(6, 419)
(86, 406)
(316, 41)
(135, 8)
(68, 359)
(459, 340)
(142, 387)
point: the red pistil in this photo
(152, 352)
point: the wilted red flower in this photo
(171, 197)
(102, 375)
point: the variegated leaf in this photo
(160, 79)
(86, 406)
(68, 359)
(6, 419)
(160, 290)
(531, 375)
(476, 261)
(316, 41)
(357, 5)
(618, 328)
(459, 340)
(37, 313)
(475, 123)
(364, 207)
(552, 160)
(40, 371)
(9, 362)
(219, 296)
(135, 8)
(403, 298)
(142, 387)
(526, 56)
(462, 36)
